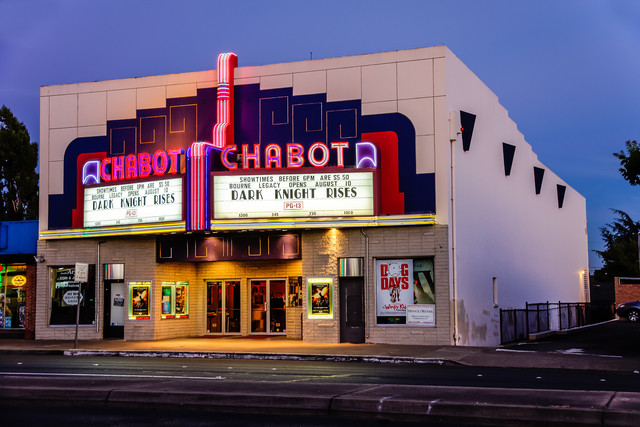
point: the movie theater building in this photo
(380, 198)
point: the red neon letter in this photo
(294, 155)
(223, 156)
(144, 163)
(175, 165)
(255, 156)
(104, 176)
(325, 154)
(117, 168)
(276, 157)
(159, 168)
(340, 146)
(131, 167)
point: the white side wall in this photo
(534, 249)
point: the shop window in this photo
(64, 297)
(175, 300)
(13, 279)
(405, 292)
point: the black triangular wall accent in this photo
(508, 151)
(538, 174)
(561, 190)
(467, 121)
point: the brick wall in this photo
(321, 250)
(30, 303)
(626, 291)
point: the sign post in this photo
(81, 276)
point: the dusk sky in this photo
(567, 71)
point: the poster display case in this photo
(139, 300)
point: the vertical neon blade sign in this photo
(199, 155)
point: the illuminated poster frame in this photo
(319, 298)
(140, 300)
(175, 300)
(181, 300)
(305, 193)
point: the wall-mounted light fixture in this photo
(38, 258)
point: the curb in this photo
(259, 356)
(382, 402)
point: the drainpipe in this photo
(98, 309)
(453, 131)
(366, 279)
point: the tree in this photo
(620, 256)
(18, 177)
(630, 162)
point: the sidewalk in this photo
(368, 401)
(287, 349)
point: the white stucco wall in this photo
(534, 249)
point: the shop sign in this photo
(293, 195)
(18, 280)
(71, 297)
(81, 272)
(421, 314)
(394, 286)
(320, 298)
(133, 203)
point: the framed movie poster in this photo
(394, 287)
(320, 300)
(182, 300)
(139, 300)
(167, 300)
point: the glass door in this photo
(277, 306)
(223, 307)
(268, 307)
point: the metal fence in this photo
(517, 323)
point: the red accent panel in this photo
(392, 198)
(77, 214)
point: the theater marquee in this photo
(133, 203)
(340, 193)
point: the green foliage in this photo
(630, 162)
(620, 256)
(18, 177)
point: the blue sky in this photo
(567, 71)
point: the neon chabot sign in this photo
(198, 160)
(294, 155)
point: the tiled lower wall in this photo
(321, 250)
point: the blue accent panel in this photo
(122, 137)
(538, 176)
(467, 121)
(182, 122)
(418, 189)
(207, 115)
(62, 205)
(18, 237)
(308, 122)
(275, 120)
(152, 134)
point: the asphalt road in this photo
(124, 369)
